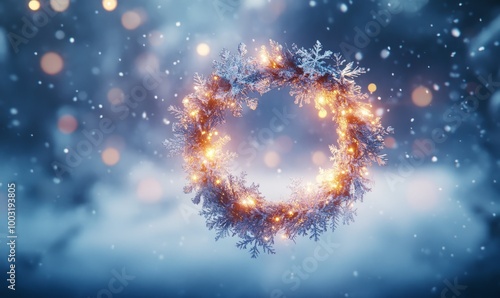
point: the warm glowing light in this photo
(390, 142)
(372, 87)
(131, 20)
(110, 156)
(116, 96)
(365, 112)
(319, 158)
(59, 5)
(203, 49)
(52, 63)
(272, 159)
(109, 5)
(210, 153)
(205, 157)
(34, 5)
(249, 202)
(421, 96)
(264, 58)
(67, 124)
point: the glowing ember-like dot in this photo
(319, 158)
(390, 142)
(203, 49)
(67, 124)
(109, 5)
(59, 5)
(372, 87)
(116, 96)
(51, 63)
(110, 156)
(149, 190)
(272, 159)
(34, 5)
(131, 20)
(322, 113)
(421, 96)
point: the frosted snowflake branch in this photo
(230, 206)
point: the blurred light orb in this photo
(390, 142)
(319, 158)
(272, 159)
(34, 5)
(421, 96)
(149, 190)
(116, 96)
(67, 124)
(59, 5)
(109, 5)
(203, 49)
(284, 144)
(322, 113)
(131, 20)
(372, 87)
(110, 156)
(51, 63)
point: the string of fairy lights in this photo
(232, 207)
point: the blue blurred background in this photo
(84, 92)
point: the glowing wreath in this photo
(229, 205)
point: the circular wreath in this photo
(229, 205)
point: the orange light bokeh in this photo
(319, 158)
(372, 87)
(131, 20)
(67, 124)
(34, 5)
(203, 49)
(116, 96)
(390, 142)
(52, 63)
(421, 96)
(59, 5)
(109, 5)
(110, 156)
(272, 159)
